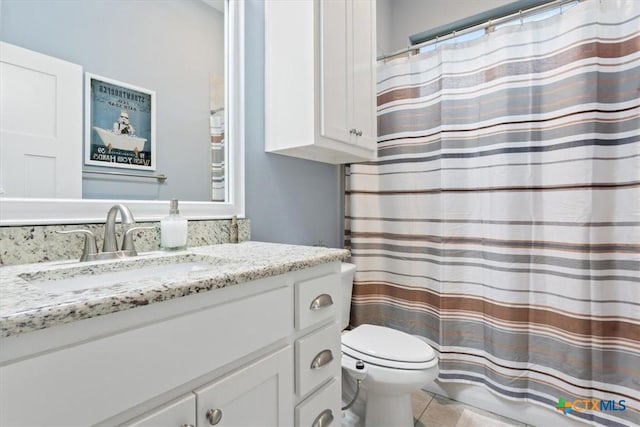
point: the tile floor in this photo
(432, 410)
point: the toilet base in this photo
(382, 411)
(351, 419)
(386, 410)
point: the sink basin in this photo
(83, 277)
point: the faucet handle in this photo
(90, 245)
(127, 241)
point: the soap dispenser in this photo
(173, 229)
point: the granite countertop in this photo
(26, 307)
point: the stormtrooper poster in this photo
(119, 124)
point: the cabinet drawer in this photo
(321, 407)
(317, 300)
(318, 358)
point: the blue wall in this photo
(289, 200)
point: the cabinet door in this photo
(179, 413)
(347, 71)
(364, 73)
(335, 75)
(260, 394)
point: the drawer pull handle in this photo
(321, 301)
(214, 416)
(324, 419)
(323, 358)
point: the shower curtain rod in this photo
(476, 22)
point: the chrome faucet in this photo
(110, 245)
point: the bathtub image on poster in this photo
(119, 124)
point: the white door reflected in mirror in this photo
(40, 148)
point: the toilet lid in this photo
(387, 346)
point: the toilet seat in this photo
(388, 347)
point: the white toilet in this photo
(396, 364)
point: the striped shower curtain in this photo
(501, 220)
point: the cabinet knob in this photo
(214, 416)
(324, 419)
(323, 358)
(321, 301)
(359, 133)
(352, 131)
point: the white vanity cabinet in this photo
(230, 356)
(179, 413)
(320, 79)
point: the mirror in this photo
(190, 54)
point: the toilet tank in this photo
(347, 273)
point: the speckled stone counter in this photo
(26, 306)
(40, 243)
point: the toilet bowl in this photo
(396, 364)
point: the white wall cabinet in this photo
(228, 352)
(320, 79)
